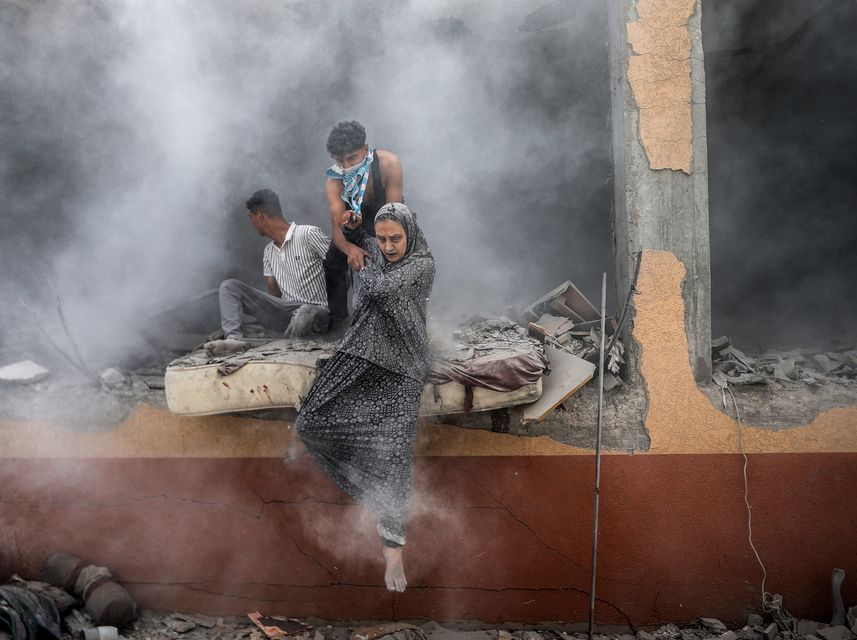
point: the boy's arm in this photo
(337, 214)
(394, 178)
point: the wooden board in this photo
(568, 374)
(579, 303)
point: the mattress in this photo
(280, 373)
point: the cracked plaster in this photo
(659, 73)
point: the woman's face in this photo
(391, 239)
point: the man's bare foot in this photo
(224, 347)
(294, 451)
(394, 576)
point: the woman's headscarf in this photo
(416, 242)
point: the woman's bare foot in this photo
(294, 451)
(394, 576)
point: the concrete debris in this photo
(750, 633)
(565, 318)
(770, 631)
(755, 620)
(836, 632)
(732, 366)
(713, 624)
(808, 627)
(667, 631)
(179, 623)
(23, 372)
(112, 377)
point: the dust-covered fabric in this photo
(389, 324)
(359, 422)
(359, 419)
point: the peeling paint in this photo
(660, 77)
(681, 418)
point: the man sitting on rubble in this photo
(362, 180)
(296, 301)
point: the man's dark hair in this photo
(345, 137)
(265, 201)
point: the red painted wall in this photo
(491, 538)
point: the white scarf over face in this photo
(354, 180)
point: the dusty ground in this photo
(157, 625)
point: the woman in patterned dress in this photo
(359, 419)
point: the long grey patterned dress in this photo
(359, 419)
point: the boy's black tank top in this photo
(379, 197)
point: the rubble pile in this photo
(731, 366)
(479, 334)
(568, 320)
(155, 625)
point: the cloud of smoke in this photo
(783, 176)
(137, 131)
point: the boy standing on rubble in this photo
(362, 180)
(292, 263)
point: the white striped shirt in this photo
(297, 265)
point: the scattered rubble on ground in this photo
(811, 367)
(157, 625)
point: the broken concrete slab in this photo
(23, 372)
(836, 632)
(770, 631)
(568, 374)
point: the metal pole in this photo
(601, 357)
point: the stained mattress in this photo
(280, 373)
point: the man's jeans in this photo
(243, 307)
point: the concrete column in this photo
(660, 151)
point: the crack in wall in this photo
(196, 587)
